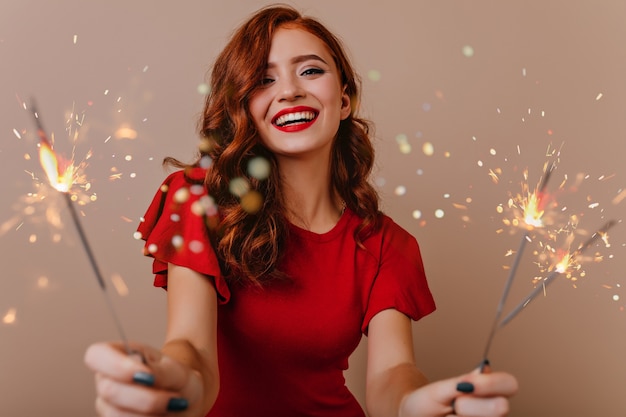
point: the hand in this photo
(471, 395)
(147, 383)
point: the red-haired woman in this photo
(277, 259)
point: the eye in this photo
(265, 81)
(312, 71)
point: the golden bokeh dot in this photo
(181, 195)
(428, 149)
(251, 202)
(43, 282)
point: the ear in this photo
(346, 104)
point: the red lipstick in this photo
(281, 121)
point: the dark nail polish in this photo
(144, 378)
(465, 387)
(177, 404)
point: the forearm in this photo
(202, 363)
(385, 391)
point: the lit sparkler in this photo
(563, 265)
(532, 212)
(567, 261)
(62, 176)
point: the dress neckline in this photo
(336, 230)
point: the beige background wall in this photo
(542, 73)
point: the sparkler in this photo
(559, 268)
(61, 175)
(532, 216)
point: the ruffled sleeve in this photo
(175, 228)
(400, 282)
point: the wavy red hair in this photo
(250, 245)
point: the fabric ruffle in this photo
(176, 231)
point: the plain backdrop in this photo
(461, 92)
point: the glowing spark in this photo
(532, 211)
(428, 148)
(119, 284)
(60, 173)
(43, 282)
(565, 263)
(619, 197)
(61, 177)
(10, 316)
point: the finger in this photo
(112, 360)
(493, 384)
(104, 409)
(437, 398)
(137, 399)
(469, 406)
(445, 397)
(155, 370)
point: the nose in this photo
(290, 89)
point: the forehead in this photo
(288, 43)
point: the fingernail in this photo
(144, 378)
(177, 404)
(466, 387)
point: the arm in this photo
(183, 377)
(191, 336)
(391, 369)
(395, 386)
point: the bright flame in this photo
(565, 263)
(59, 173)
(532, 212)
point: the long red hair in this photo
(250, 245)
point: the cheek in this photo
(258, 109)
(332, 96)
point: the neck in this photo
(311, 202)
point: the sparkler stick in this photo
(556, 272)
(503, 298)
(63, 185)
(540, 193)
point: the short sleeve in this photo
(401, 282)
(175, 229)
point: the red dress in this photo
(283, 348)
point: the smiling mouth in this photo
(296, 118)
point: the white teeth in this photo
(297, 117)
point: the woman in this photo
(276, 258)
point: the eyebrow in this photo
(301, 58)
